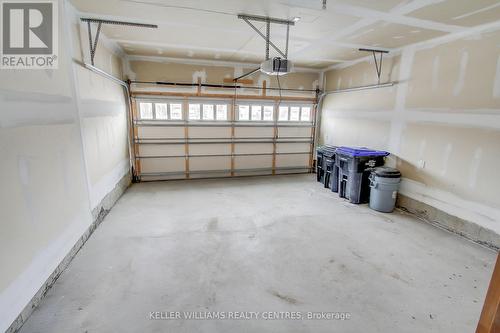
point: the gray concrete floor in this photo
(264, 244)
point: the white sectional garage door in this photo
(203, 137)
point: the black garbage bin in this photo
(322, 153)
(354, 166)
(319, 164)
(329, 164)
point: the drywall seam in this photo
(454, 111)
(467, 120)
(459, 119)
(411, 6)
(430, 43)
(488, 27)
(493, 6)
(397, 122)
(394, 17)
(435, 73)
(459, 86)
(446, 158)
(71, 15)
(370, 16)
(474, 170)
(496, 84)
(485, 216)
(127, 69)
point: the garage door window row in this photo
(219, 112)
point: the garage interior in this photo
(169, 167)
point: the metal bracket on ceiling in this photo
(267, 36)
(99, 22)
(378, 65)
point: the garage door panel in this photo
(160, 149)
(254, 132)
(253, 148)
(209, 132)
(213, 146)
(161, 165)
(209, 174)
(209, 149)
(253, 162)
(292, 147)
(153, 132)
(294, 132)
(292, 160)
(209, 163)
(163, 177)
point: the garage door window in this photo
(283, 113)
(243, 112)
(194, 111)
(305, 114)
(221, 112)
(208, 112)
(146, 110)
(175, 111)
(268, 113)
(256, 112)
(161, 111)
(294, 113)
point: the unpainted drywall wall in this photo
(103, 112)
(46, 120)
(441, 121)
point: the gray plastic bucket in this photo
(384, 186)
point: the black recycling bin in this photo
(354, 166)
(329, 165)
(322, 153)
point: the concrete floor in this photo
(264, 244)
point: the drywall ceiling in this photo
(466, 13)
(210, 30)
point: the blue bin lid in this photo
(361, 151)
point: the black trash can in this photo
(322, 153)
(329, 165)
(319, 164)
(354, 167)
